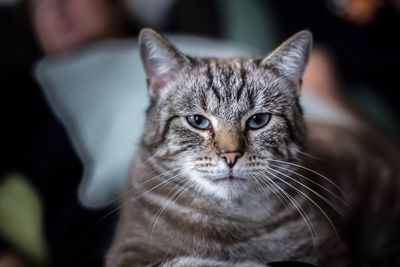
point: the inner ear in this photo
(162, 61)
(291, 57)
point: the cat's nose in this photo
(231, 158)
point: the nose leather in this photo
(231, 157)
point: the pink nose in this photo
(231, 158)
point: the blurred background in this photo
(353, 68)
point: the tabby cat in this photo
(229, 173)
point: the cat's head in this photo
(217, 123)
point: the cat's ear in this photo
(291, 57)
(161, 60)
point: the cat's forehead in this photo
(231, 76)
(225, 69)
(227, 87)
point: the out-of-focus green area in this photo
(20, 217)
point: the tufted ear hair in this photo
(162, 61)
(291, 57)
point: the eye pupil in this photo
(257, 119)
(198, 119)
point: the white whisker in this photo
(311, 200)
(259, 184)
(310, 156)
(137, 186)
(310, 170)
(169, 200)
(301, 211)
(134, 199)
(155, 187)
(270, 187)
(312, 181)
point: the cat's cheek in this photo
(294, 150)
(260, 148)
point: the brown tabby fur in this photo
(256, 225)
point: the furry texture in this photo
(239, 192)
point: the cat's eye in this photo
(258, 121)
(199, 122)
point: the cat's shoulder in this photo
(344, 142)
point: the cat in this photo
(229, 173)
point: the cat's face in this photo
(217, 123)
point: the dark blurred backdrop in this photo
(33, 142)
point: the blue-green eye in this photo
(199, 122)
(258, 121)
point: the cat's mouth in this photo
(230, 178)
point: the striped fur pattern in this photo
(227, 194)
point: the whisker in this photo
(315, 172)
(170, 199)
(311, 200)
(157, 186)
(137, 186)
(311, 181)
(178, 188)
(134, 199)
(333, 205)
(270, 187)
(259, 184)
(310, 155)
(151, 157)
(115, 210)
(301, 211)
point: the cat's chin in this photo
(227, 188)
